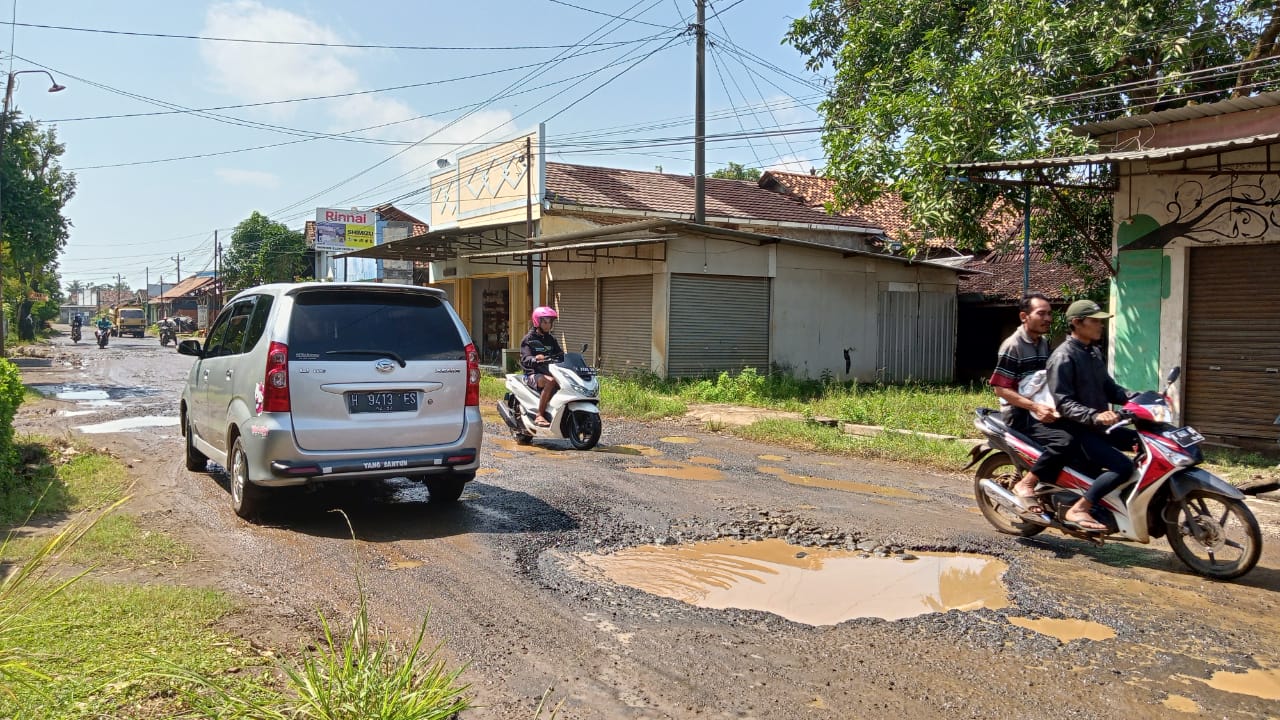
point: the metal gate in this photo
(626, 326)
(917, 335)
(575, 300)
(718, 323)
(1232, 364)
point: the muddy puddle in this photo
(1264, 683)
(845, 485)
(1182, 704)
(129, 424)
(680, 471)
(678, 440)
(807, 585)
(91, 394)
(1066, 630)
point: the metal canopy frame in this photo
(1034, 167)
(580, 252)
(441, 245)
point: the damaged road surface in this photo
(674, 573)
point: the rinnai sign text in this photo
(345, 230)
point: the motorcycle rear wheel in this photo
(1001, 469)
(1207, 524)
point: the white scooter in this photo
(574, 409)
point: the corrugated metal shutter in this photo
(575, 300)
(718, 323)
(626, 325)
(917, 336)
(1232, 367)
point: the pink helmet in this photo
(544, 312)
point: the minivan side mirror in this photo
(190, 347)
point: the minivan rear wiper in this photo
(379, 353)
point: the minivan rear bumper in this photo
(280, 463)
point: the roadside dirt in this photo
(507, 593)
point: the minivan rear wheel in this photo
(247, 499)
(196, 460)
(448, 488)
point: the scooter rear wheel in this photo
(1000, 469)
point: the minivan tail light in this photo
(275, 386)
(473, 376)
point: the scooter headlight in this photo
(588, 390)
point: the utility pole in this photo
(178, 259)
(528, 218)
(217, 291)
(146, 311)
(700, 120)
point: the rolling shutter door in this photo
(1232, 366)
(626, 312)
(718, 323)
(917, 336)
(575, 300)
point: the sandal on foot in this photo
(1029, 503)
(541, 421)
(1085, 524)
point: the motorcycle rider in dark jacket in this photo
(1083, 393)
(538, 348)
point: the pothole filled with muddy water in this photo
(814, 586)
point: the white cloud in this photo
(257, 73)
(248, 178)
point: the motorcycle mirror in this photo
(1174, 374)
(584, 347)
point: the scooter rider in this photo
(77, 321)
(1083, 392)
(104, 324)
(538, 348)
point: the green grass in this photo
(114, 540)
(47, 485)
(99, 643)
(639, 399)
(1239, 467)
(492, 388)
(899, 447)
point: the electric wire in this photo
(307, 43)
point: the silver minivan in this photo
(306, 382)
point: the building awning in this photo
(1165, 154)
(588, 245)
(440, 245)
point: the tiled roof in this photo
(888, 211)
(600, 187)
(999, 277)
(191, 286)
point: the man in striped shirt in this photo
(1022, 354)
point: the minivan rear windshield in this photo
(330, 325)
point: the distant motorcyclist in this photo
(77, 321)
(538, 348)
(104, 324)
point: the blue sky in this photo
(134, 218)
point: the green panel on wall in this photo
(1135, 331)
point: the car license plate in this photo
(1185, 436)
(387, 401)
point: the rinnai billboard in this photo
(345, 230)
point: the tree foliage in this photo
(34, 189)
(734, 171)
(263, 251)
(920, 85)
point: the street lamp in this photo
(4, 133)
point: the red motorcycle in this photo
(1204, 518)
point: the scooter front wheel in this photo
(1215, 536)
(583, 429)
(1000, 469)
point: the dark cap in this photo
(1086, 309)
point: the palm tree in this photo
(75, 289)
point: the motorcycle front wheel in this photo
(1215, 536)
(1000, 469)
(583, 429)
